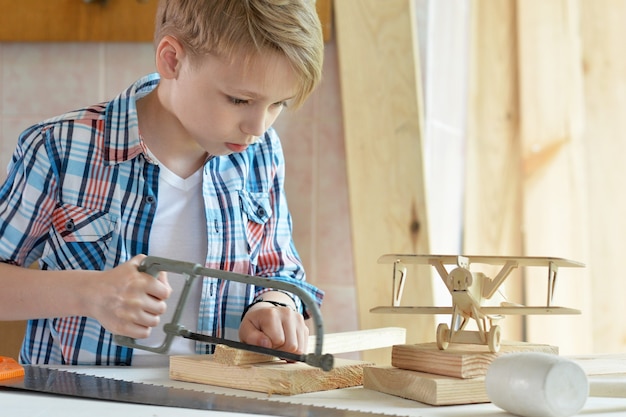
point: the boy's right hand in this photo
(129, 302)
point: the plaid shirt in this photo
(81, 193)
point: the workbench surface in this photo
(17, 403)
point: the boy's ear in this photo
(169, 53)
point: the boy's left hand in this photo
(274, 327)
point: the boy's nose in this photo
(255, 124)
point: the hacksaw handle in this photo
(171, 331)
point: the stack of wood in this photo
(423, 373)
(241, 369)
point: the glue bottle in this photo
(533, 384)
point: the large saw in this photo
(47, 380)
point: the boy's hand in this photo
(274, 327)
(128, 302)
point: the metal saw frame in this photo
(153, 265)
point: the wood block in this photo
(460, 361)
(355, 341)
(270, 377)
(423, 387)
(606, 373)
(230, 356)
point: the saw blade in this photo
(66, 383)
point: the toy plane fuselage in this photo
(469, 291)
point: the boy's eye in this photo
(238, 101)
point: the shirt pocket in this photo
(257, 210)
(80, 224)
(79, 239)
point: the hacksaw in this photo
(190, 271)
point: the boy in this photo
(183, 164)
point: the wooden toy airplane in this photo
(470, 291)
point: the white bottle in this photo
(534, 384)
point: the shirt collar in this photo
(121, 128)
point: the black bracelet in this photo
(260, 300)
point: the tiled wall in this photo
(45, 79)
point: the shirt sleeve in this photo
(26, 202)
(278, 257)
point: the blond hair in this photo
(225, 27)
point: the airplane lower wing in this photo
(412, 310)
(528, 310)
(486, 310)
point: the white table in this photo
(23, 403)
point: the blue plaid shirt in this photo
(81, 193)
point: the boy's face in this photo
(225, 105)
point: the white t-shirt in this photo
(178, 232)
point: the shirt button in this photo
(150, 199)
(70, 226)
(260, 212)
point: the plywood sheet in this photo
(269, 377)
(460, 361)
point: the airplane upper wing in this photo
(491, 260)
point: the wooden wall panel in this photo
(381, 99)
(554, 183)
(603, 30)
(493, 178)
(107, 20)
(76, 20)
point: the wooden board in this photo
(110, 20)
(355, 341)
(493, 199)
(11, 336)
(551, 126)
(602, 33)
(606, 373)
(269, 377)
(460, 361)
(382, 111)
(424, 387)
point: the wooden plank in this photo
(493, 196)
(325, 13)
(226, 355)
(554, 184)
(355, 341)
(72, 20)
(606, 374)
(459, 361)
(381, 103)
(12, 334)
(423, 387)
(604, 364)
(111, 20)
(270, 377)
(360, 340)
(602, 31)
